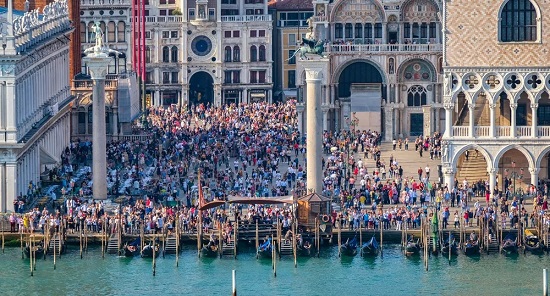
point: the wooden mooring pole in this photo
(31, 251)
(177, 240)
(544, 282)
(3, 239)
(257, 240)
(234, 286)
(154, 245)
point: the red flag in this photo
(202, 202)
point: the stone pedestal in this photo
(314, 128)
(97, 64)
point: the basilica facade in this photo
(496, 59)
(385, 64)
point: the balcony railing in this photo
(482, 131)
(162, 19)
(543, 131)
(460, 131)
(523, 131)
(247, 18)
(110, 3)
(353, 48)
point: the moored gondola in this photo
(412, 247)
(349, 248)
(131, 249)
(533, 243)
(211, 249)
(471, 246)
(303, 247)
(149, 250)
(450, 245)
(37, 250)
(509, 244)
(265, 250)
(370, 248)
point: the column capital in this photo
(513, 105)
(448, 171)
(97, 65)
(314, 74)
(535, 105)
(471, 106)
(448, 105)
(534, 170)
(492, 171)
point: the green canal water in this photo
(394, 274)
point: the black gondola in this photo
(471, 246)
(412, 247)
(450, 244)
(265, 250)
(533, 244)
(303, 247)
(349, 248)
(370, 248)
(509, 244)
(37, 249)
(131, 249)
(148, 252)
(211, 249)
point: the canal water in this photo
(394, 274)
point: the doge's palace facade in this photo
(496, 86)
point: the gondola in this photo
(210, 250)
(349, 248)
(509, 244)
(471, 246)
(370, 248)
(37, 249)
(303, 247)
(265, 250)
(450, 244)
(412, 248)
(533, 244)
(147, 251)
(131, 249)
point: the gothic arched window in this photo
(165, 54)
(253, 54)
(174, 54)
(261, 53)
(518, 21)
(416, 96)
(236, 54)
(227, 54)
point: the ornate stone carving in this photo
(513, 105)
(448, 105)
(492, 106)
(7, 70)
(534, 171)
(314, 74)
(536, 105)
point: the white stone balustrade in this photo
(110, 3)
(481, 131)
(32, 27)
(351, 48)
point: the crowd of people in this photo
(255, 150)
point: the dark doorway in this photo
(417, 123)
(201, 89)
(392, 37)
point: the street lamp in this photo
(515, 176)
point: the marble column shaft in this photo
(314, 129)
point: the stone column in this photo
(534, 175)
(11, 180)
(427, 110)
(388, 123)
(115, 122)
(513, 107)
(97, 64)
(534, 108)
(449, 176)
(471, 110)
(300, 113)
(448, 119)
(492, 120)
(492, 180)
(345, 104)
(314, 130)
(325, 118)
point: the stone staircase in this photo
(286, 248)
(473, 169)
